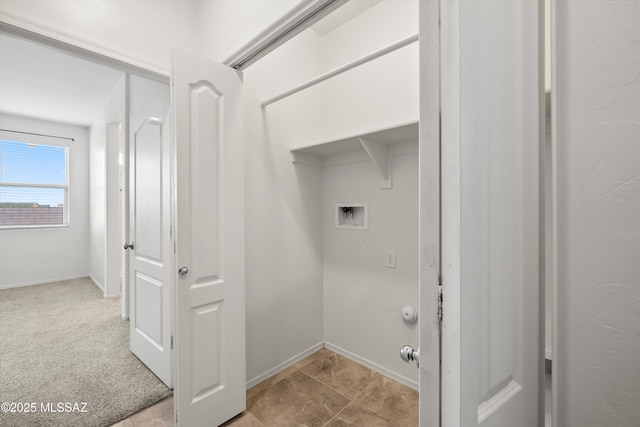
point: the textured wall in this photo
(598, 140)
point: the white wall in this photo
(284, 243)
(114, 130)
(236, 23)
(101, 211)
(597, 356)
(379, 94)
(362, 297)
(138, 31)
(283, 222)
(44, 255)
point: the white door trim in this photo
(450, 176)
(113, 246)
(552, 198)
(429, 212)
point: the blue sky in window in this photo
(21, 162)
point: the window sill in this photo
(32, 227)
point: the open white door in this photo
(150, 248)
(209, 209)
(490, 213)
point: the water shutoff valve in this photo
(409, 314)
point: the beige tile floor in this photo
(325, 389)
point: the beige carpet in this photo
(62, 343)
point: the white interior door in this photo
(209, 209)
(150, 258)
(490, 213)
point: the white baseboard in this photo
(41, 282)
(371, 365)
(95, 282)
(99, 286)
(284, 365)
(295, 359)
(111, 296)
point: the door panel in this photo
(149, 308)
(490, 143)
(205, 128)
(210, 340)
(150, 258)
(148, 202)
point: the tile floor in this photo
(325, 389)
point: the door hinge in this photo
(440, 309)
(171, 342)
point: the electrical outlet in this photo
(391, 259)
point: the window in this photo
(34, 184)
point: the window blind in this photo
(33, 184)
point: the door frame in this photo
(115, 137)
(89, 51)
(429, 213)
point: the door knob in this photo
(408, 354)
(183, 271)
(128, 245)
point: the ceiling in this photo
(43, 82)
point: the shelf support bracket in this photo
(379, 154)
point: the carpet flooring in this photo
(64, 354)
